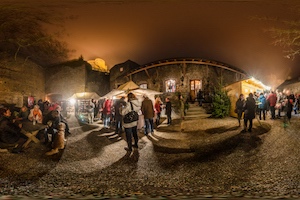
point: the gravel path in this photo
(95, 164)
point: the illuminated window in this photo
(170, 86)
(144, 86)
(121, 69)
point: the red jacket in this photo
(272, 99)
(107, 106)
(157, 107)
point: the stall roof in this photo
(85, 95)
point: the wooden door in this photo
(195, 86)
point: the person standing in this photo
(181, 106)
(200, 97)
(249, 112)
(262, 106)
(90, 111)
(239, 107)
(107, 112)
(168, 110)
(290, 104)
(272, 99)
(157, 106)
(148, 112)
(118, 117)
(131, 128)
(279, 102)
(96, 109)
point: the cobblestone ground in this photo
(95, 165)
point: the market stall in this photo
(245, 87)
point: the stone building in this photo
(186, 76)
(21, 80)
(64, 80)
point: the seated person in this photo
(23, 114)
(36, 114)
(63, 120)
(10, 132)
(52, 119)
(58, 140)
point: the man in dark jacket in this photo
(168, 110)
(118, 117)
(249, 112)
(148, 112)
(10, 132)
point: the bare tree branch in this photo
(22, 33)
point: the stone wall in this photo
(65, 80)
(20, 79)
(74, 77)
(97, 82)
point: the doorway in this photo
(195, 86)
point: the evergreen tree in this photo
(221, 103)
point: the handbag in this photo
(132, 116)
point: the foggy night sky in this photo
(146, 31)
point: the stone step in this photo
(169, 145)
(197, 115)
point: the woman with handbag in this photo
(130, 120)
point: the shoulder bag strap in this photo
(131, 106)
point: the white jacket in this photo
(136, 107)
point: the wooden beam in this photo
(201, 62)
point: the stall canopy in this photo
(114, 93)
(85, 95)
(130, 86)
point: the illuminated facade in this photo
(170, 76)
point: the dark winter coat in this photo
(147, 109)
(10, 132)
(168, 108)
(239, 105)
(249, 108)
(119, 103)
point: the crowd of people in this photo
(45, 113)
(112, 113)
(277, 104)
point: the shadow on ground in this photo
(244, 141)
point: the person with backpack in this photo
(130, 121)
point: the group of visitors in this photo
(285, 102)
(125, 114)
(11, 125)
